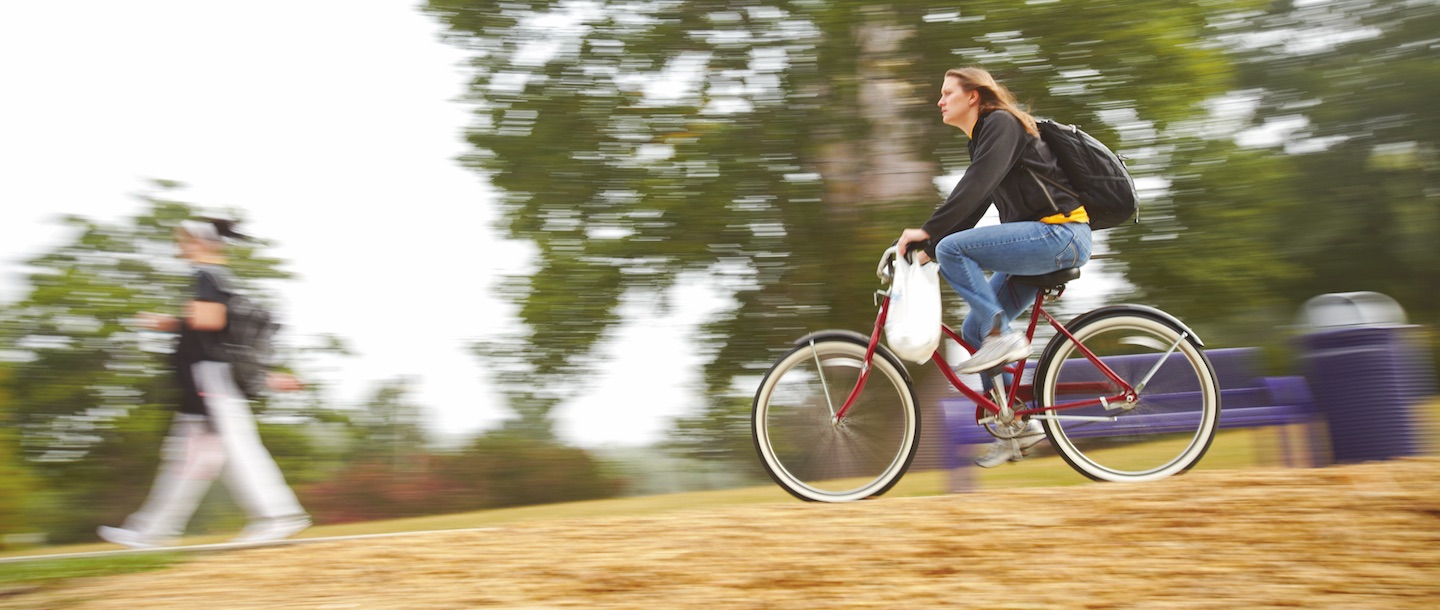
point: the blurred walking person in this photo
(214, 431)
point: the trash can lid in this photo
(1350, 309)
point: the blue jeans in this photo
(1012, 248)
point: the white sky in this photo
(333, 124)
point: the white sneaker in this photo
(995, 351)
(1003, 450)
(272, 529)
(131, 538)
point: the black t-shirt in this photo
(211, 283)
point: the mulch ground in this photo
(1362, 536)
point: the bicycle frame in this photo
(1116, 391)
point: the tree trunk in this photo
(886, 164)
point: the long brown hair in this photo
(993, 95)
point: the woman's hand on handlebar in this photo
(917, 237)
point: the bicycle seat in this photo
(1054, 279)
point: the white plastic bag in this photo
(912, 327)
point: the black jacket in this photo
(211, 284)
(1000, 152)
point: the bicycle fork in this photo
(839, 416)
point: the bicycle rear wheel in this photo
(1166, 430)
(810, 453)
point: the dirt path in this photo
(1364, 536)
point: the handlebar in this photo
(885, 270)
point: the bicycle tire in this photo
(802, 447)
(1164, 432)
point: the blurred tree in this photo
(1337, 186)
(770, 148)
(16, 486)
(389, 425)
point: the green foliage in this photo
(16, 487)
(1373, 196)
(772, 149)
(1206, 252)
(1347, 199)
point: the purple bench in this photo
(1246, 401)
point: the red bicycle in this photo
(1123, 392)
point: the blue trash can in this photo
(1367, 379)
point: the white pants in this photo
(195, 453)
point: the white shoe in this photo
(995, 351)
(1003, 450)
(272, 529)
(131, 538)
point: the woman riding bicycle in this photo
(1042, 230)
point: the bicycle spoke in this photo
(816, 456)
(1165, 430)
(820, 372)
(1148, 376)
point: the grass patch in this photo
(612, 507)
(18, 579)
(45, 570)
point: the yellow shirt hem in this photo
(1077, 215)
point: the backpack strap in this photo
(1052, 182)
(1041, 180)
(1048, 197)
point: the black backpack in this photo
(248, 342)
(1097, 174)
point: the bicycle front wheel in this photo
(813, 454)
(1163, 432)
